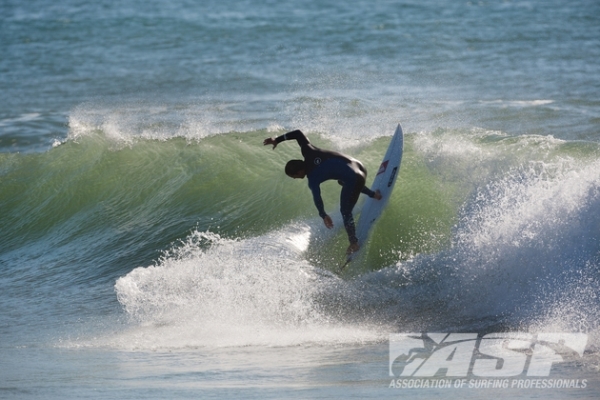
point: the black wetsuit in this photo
(323, 165)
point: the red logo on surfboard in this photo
(383, 167)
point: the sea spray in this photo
(213, 291)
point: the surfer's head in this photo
(295, 169)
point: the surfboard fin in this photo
(346, 263)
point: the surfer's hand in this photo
(269, 141)
(377, 195)
(328, 222)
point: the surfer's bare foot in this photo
(377, 195)
(353, 248)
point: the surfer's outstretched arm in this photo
(296, 135)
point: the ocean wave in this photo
(482, 229)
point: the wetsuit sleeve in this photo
(364, 190)
(316, 192)
(367, 191)
(296, 135)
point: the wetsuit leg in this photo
(350, 192)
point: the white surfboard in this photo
(384, 182)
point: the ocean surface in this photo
(152, 247)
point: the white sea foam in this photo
(214, 292)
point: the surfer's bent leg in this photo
(348, 198)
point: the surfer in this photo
(322, 165)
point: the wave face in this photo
(484, 230)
